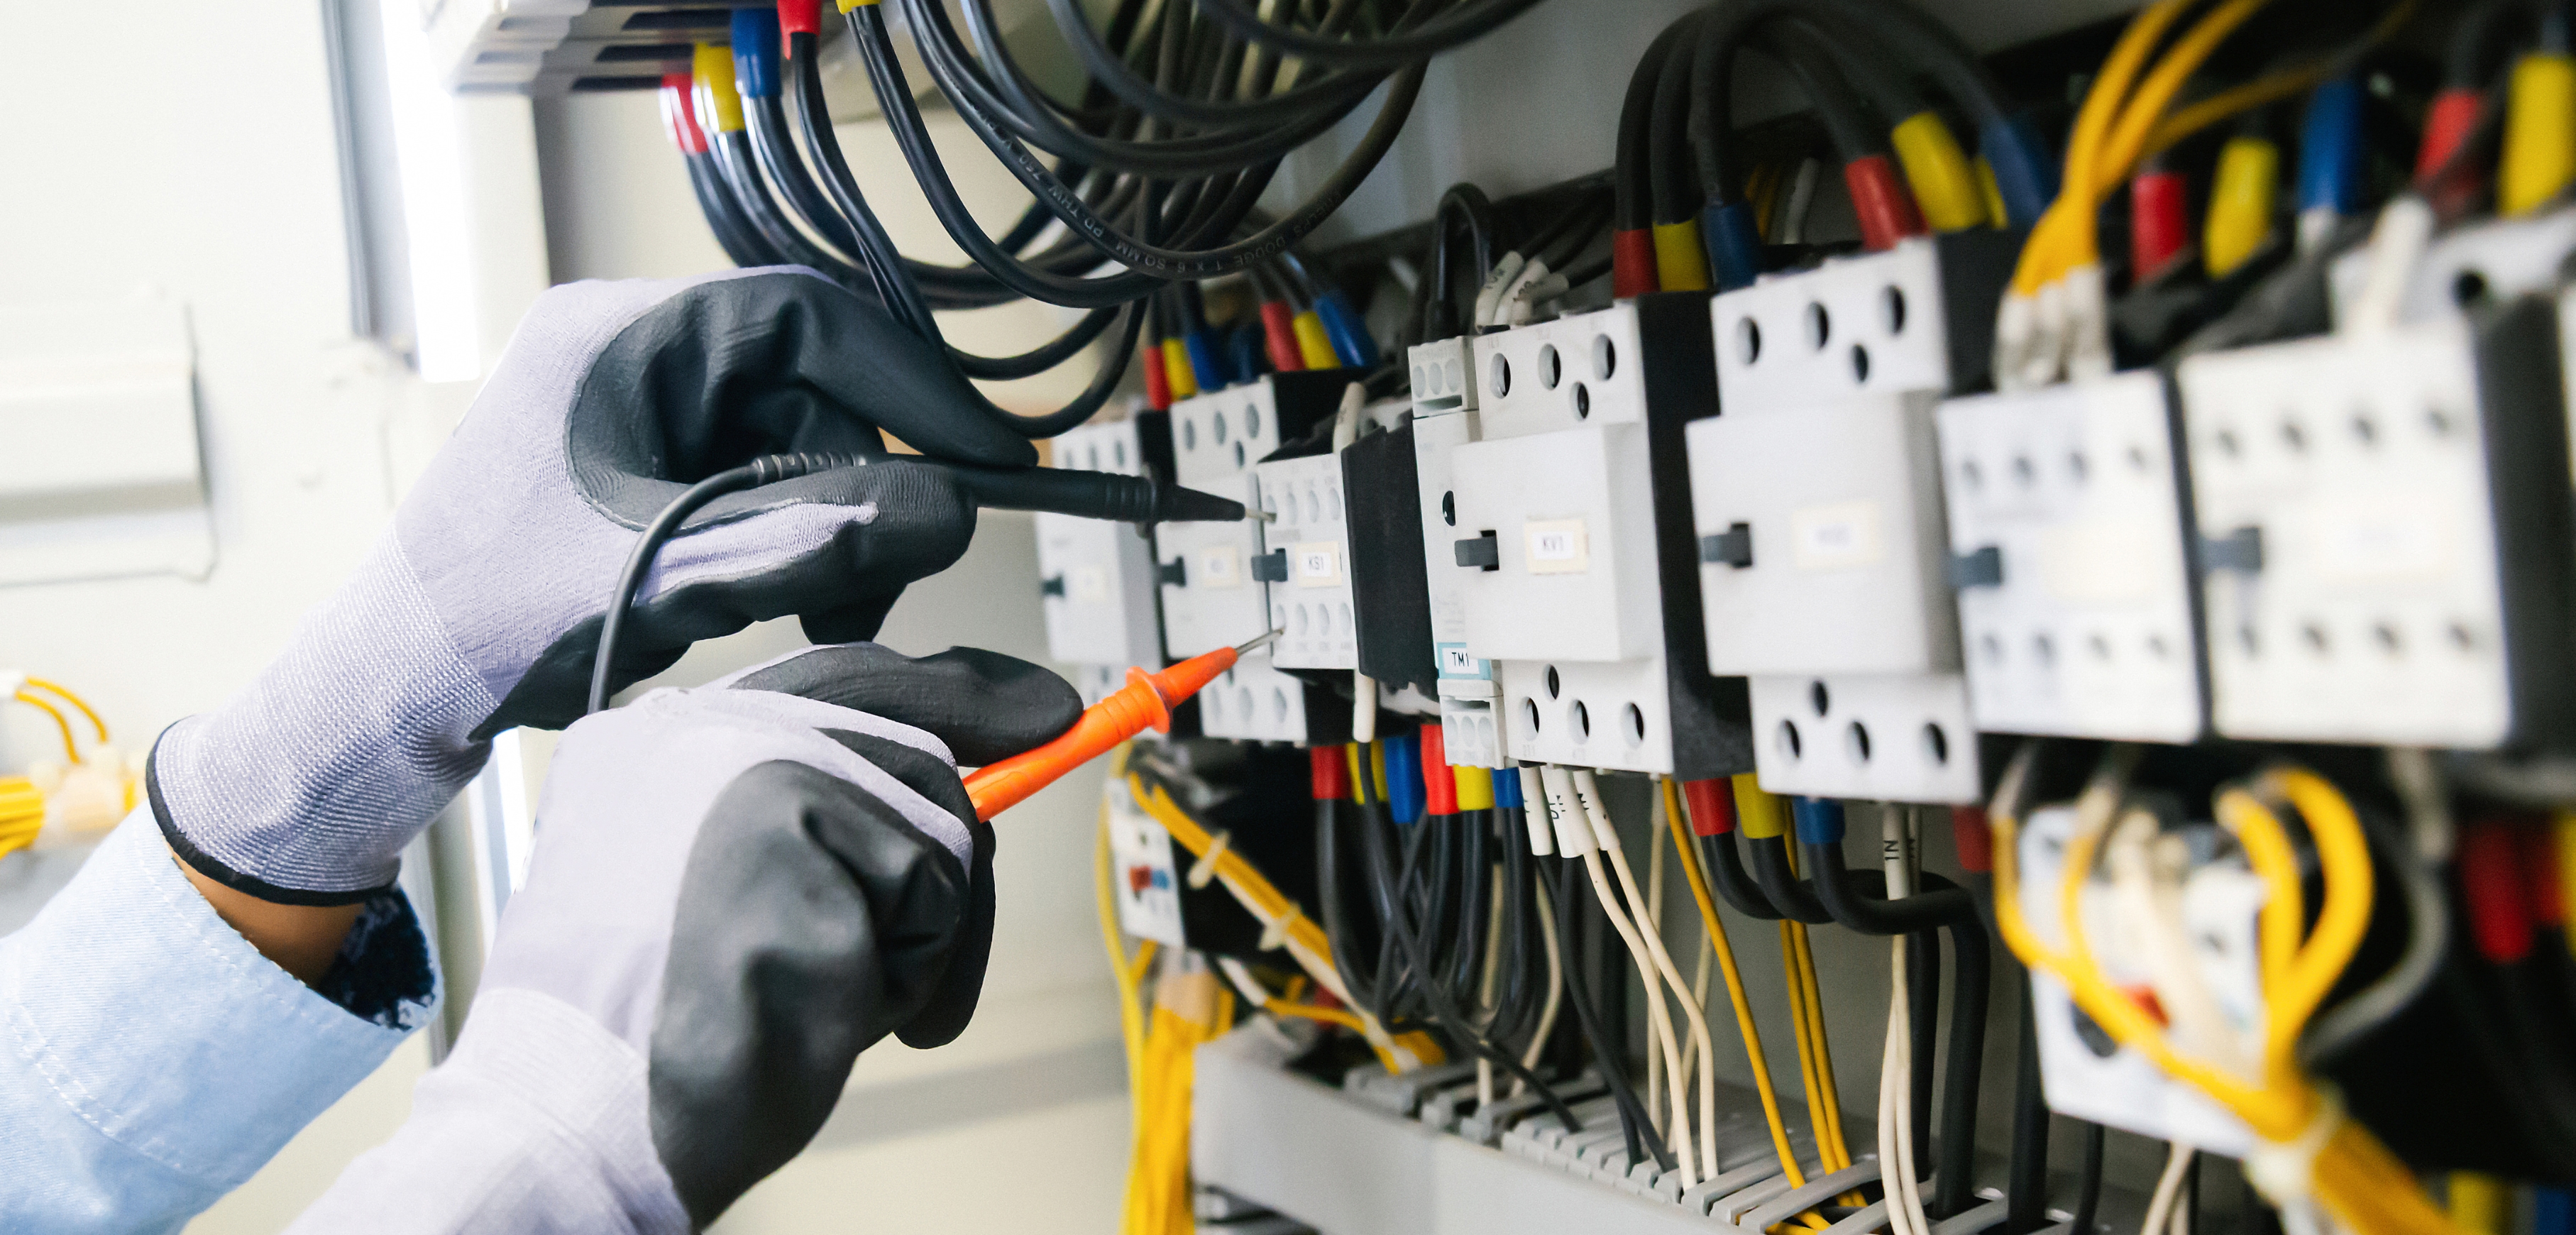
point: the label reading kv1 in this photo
(1556, 547)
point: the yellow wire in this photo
(2072, 212)
(2352, 1174)
(2567, 866)
(70, 751)
(1312, 1012)
(1306, 940)
(1725, 952)
(72, 699)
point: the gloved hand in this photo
(480, 607)
(735, 890)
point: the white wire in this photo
(1588, 792)
(1555, 984)
(1563, 791)
(1904, 1183)
(2168, 1186)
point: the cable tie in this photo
(2285, 1171)
(1204, 869)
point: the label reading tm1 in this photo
(1557, 547)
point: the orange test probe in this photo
(1145, 701)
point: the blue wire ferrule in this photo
(1733, 238)
(1205, 364)
(1819, 820)
(2332, 171)
(1245, 352)
(1404, 777)
(755, 52)
(1342, 323)
(2025, 175)
(1507, 788)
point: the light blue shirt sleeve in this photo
(151, 1060)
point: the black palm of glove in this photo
(481, 608)
(735, 890)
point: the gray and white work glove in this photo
(480, 607)
(735, 890)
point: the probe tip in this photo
(1257, 641)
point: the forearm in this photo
(151, 1059)
(537, 1123)
(300, 939)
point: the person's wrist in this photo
(300, 939)
(304, 787)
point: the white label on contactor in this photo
(1088, 584)
(1218, 566)
(1316, 563)
(1840, 536)
(1557, 547)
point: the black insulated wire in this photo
(1944, 906)
(1400, 46)
(724, 215)
(1608, 1052)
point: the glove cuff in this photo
(305, 786)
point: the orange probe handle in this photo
(1144, 702)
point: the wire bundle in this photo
(2310, 1153)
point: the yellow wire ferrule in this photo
(1993, 193)
(711, 71)
(1681, 265)
(2539, 154)
(1313, 345)
(1757, 813)
(1945, 186)
(2241, 200)
(1475, 788)
(1177, 370)
(848, 5)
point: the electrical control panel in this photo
(1817, 503)
(2383, 523)
(1211, 598)
(1571, 547)
(1445, 382)
(1096, 578)
(2067, 541)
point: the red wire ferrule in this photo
(2499, 912)
(1158, 384)
(2158, 229)
(1331, 772)
(1973, 837)
(2446, 123)
(680, 114)
(1632, 264)
(1439, 783)
(1279, 336)
(1710, 804)
(798, 17)
(1887, 212)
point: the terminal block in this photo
(1445, 383)
(1211, 598)
(2384, 526)
(1095, 578)
(1817, 503)
(2068, 551)
(1572, 550)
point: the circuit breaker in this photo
(1211, 597)
(2383, 526)
(2067, 540)
(1817, 503)
(1096, 578)
(1444, 419)
(1571, 545)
